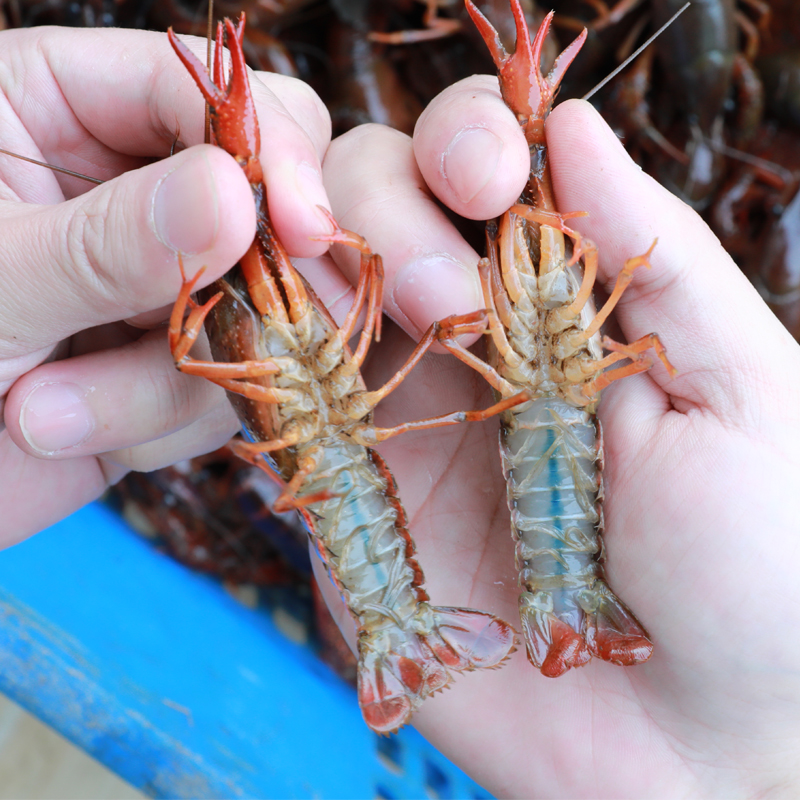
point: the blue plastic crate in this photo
(181, 690)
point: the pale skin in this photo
(702, 531)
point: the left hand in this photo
(88, 275)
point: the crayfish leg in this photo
(183, 333)
(581, 248)
(639, 363)
(436, 27)
(634, 349)
(261, 284)
(612, 632)
(455, 418)
(444, 332)
(253, 452)
(369, 290)
(623, 281)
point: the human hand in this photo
(90, 395)
(700, 529)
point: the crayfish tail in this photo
(553, 646)
(399, 668)
(463, 639)
(612, 631)
(396, 672)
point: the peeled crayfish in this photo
(544, 339)
(298, 392)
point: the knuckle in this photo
(174, 400)
(378, 148)
(89, 255)
(311, 112)
(177, 401)
(301, 105)
(191, 441)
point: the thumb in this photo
(111, 253)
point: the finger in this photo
(112, 253)
(145, 99)
(295, 134)
(110, 400)
(330, 285)
(376, 189)
(470, 149)
(307, 110)
(202, 436)
(718, 332)
(59, 488)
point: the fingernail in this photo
(185, 207)
(309, 183)
(470, 161)
(55, 416)
(433, 287)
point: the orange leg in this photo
(369, 290)
(639, 362)
(634, 349)
(262, 286)
(489, 277)
(581, 248)
(287, 501)
(456, 418)
(436, 27)
(445, 332)
(182, 335)
(441, 331)
(623, 281)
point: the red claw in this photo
(527, 92)
(233, 112)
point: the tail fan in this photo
(609, 632)
(400, 667)
(553, 646)
(613, 633)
